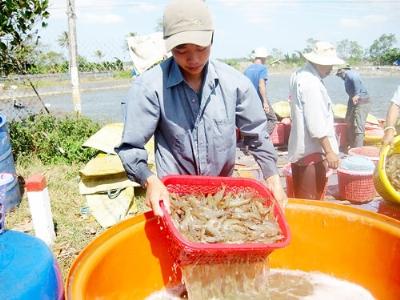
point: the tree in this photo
(160, 25)
(99, 54)
(276, 54)
(350, 51)
(18, 20)
(310, 45)
(63, 40)
(391, 56)
(380, 46)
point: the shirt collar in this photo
(175, 76)
(313, 70)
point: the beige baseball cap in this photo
(187, 22)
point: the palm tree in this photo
(99, 54)
(63, 40)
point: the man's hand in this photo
(156, 191)
(332, 159)
(274, 184)
(355, 99)
(388, 136)
(266, 107)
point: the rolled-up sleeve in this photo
(251, 118)
(140, 120)
(315, 112)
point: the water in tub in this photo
(254, 281)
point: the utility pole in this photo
(73, 52)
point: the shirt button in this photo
(193, 100)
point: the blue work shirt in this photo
(354, 85)
(192, 136)
(256, 72)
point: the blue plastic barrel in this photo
(28, 269)
(13, 194)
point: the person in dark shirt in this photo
(358, 106)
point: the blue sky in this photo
(241, 25)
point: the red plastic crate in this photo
(278, 134)
(287, 172)
(186, 252)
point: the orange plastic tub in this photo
(130, 261)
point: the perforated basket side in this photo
(356, 188)
(187, 252)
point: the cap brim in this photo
(323, 61)
(200, 38)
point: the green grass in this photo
(74, 230)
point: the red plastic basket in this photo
(356, 187)
(186, 252)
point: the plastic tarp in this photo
(146, 50)
(110, 208)
(108, 191)
(282, 109)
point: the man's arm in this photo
(331, 157)
(251, 119)
(140, 121)
(315, 114)
(391, 118)
(263, 91)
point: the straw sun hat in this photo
(324, 54)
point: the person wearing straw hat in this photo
(257, 72)
(312, 143)
(358, 106)
(192, 105)
(391, 118)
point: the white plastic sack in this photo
(146, 50)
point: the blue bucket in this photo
(13, 194)
(28, 269)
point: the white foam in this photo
(294, 284)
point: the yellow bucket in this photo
(381, 180)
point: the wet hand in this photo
(274, 184)
(157, 191)
(332, 159)
(390, 133)
(356, 99)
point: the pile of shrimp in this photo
(224, 217)
(393, 170)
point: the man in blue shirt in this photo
(257, 72)
(358, 106)
(192, 105)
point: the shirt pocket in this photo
(224, 132)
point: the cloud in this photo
(362, 22)
(101, 18)
(258, 11)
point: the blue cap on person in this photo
(187, 22)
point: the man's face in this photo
(324, 70)
(341, 74)
(191, 58)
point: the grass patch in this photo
(74, 230)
